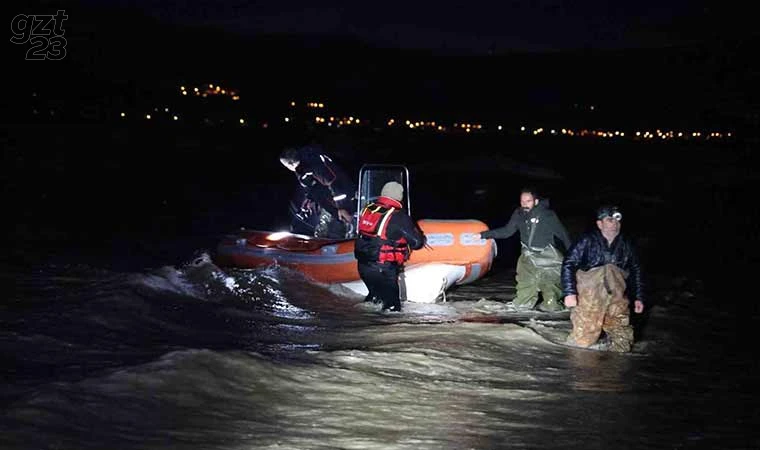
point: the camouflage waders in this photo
(539, 271)
(602, 305)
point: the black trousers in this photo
(382, 282)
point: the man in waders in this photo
(538, 267)
(599, 272)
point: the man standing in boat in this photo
(387, 236)
(329, 195)
(538, 267)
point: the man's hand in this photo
(345, 216)
(638, 306)
(571, 300)
(308, 207)
(425, 243)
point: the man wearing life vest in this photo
(329, 195)
(387, 236)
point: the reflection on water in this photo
(200, 358)
(600, 371)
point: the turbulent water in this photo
(199, 357)
(112, 338)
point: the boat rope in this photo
(442, 292)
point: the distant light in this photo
(321, 105)
(195, 89)
(211, 86)
(499, 127)
(176, 118)
(166, 109)
(292, 103)
(147, 116)
(287, 119)
(243, 121)
(592, 107)
(522, 128)
(123, 114)
(184, 92)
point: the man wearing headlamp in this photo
(600, 273)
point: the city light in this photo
(313, 112)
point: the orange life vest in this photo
(373, 223)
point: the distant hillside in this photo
(108, 47)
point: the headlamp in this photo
(609, 211)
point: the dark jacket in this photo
(324, 182)
(545, 221)
(592, 250)
(400, 227)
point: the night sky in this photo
(475, 26)
(702, 46)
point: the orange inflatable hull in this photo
(454, 242)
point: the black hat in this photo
(609, 211)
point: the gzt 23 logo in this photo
(43, 32)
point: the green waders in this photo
(538, 270)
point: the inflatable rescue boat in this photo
(454, 253)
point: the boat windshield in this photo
(372, 178)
